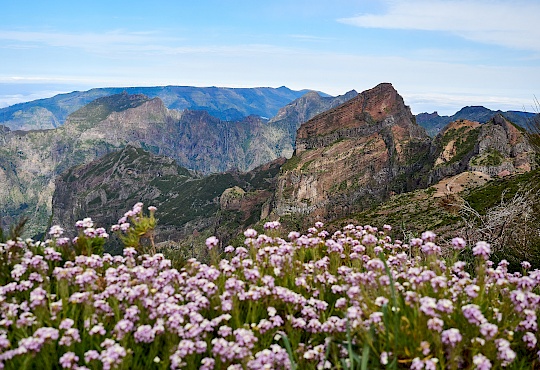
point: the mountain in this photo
(433, 123)
(308, 106)
(364, 158)
(352, 156)
(31, 160)
(495, 148)
(224, 103)
(188, 203)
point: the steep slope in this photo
(30, 160)
(194, 139)
(495, 148)
(188, 203)
(433, 123)
(352, 156)
(223, 103)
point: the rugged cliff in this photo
(30, 160)
(495, 148)
(353, 156)
(188, 203)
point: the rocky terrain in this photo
(370, 148)
(353, 156)
(189, 204)
(31, 160)
(496, 148)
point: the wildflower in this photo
(84, 223)
(66, 324)
(272, 225)
(91, 355)
(530, 339)
(384, 358)
(417, 364)
(458, 243)
(425, 347)
(212, 242)
(431, 248)
(56, 231)
(381, 301)
(428, 306)
(504, 352)
(472, 290)
(144, 334)
(488, 330)
(473, 314)
(68, 360)
(250, 233)
(482, 249)
(428, 236)
(451, 337)
(481, 362)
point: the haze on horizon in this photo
(439, 54)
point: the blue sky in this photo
(439, 54)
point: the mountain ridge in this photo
(223, 102)
(434, 123)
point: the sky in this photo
(440, 55)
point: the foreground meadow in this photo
(354, 299)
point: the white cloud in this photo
(511, 24)
(11, 99)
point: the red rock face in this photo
(379, 102)
(351, 156)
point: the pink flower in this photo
(458, 243)
(212, 242)
(428, 236)
(481, 362)
(250, 233)
(473, 314)
(482, 249)
(68, 360)
(435, 324)
(530, 339)
(451, 337)
(488, 330)
(56, 231)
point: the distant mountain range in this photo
(433, 123)
(229, 104)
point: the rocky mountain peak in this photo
(367, 113)
(495, 148)
(352, 155)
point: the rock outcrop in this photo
(353, 156)
(495, 148)
(105, 188)
(194, 139)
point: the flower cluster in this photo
(304, 301)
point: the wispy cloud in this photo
(11, 99)
(310, 37)
(511, 24)
(119, 43)
(110, 42)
